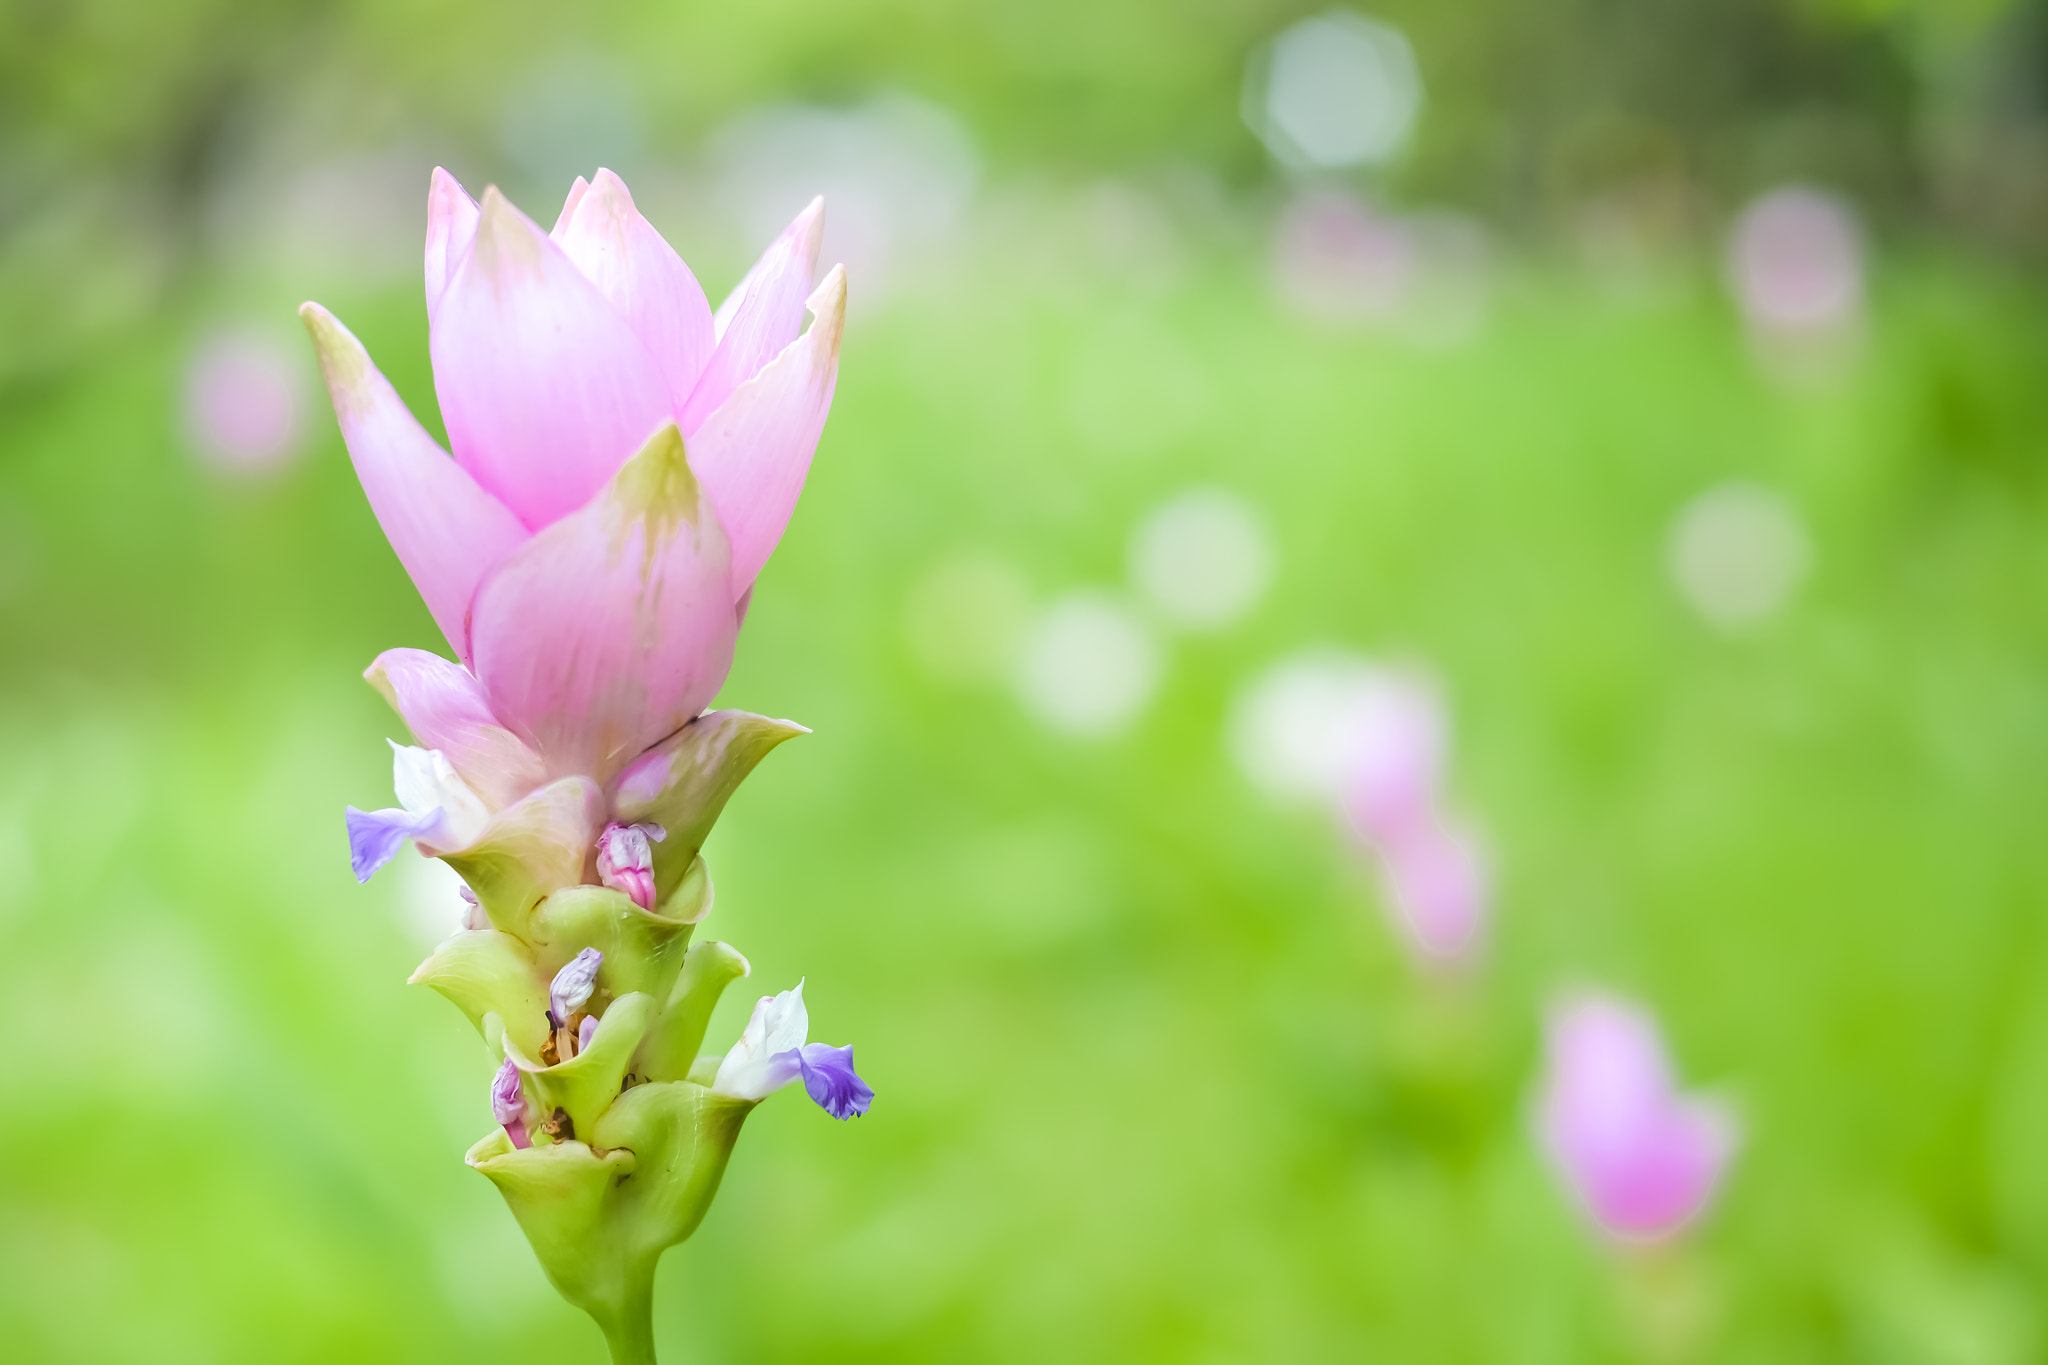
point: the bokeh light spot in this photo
(1334, 90)
(1089, 666)
(1203, 559)
(1737, 552)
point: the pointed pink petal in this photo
(444, 706)
(448, 532)
(451, 227)
(761, 317)
(576, 193)
(545, 389)
(614, 626)
(642, 277)
(754, 453)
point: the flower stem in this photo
(630, 1333)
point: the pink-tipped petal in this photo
(448, 531)
(451, 227)
(444, 705)
(642, 277)
(576, 193)
(614, 626)
(761, 317)
(754, 453)
(545, 388)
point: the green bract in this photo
(627, 1148)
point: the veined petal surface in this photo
(451, 227)
(444, 706)
(545, 388)
(614, 626)
(642, 277)
(754, 453)
(761, 317)
(446, 529)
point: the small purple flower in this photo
(508, 1103)
(435, 806)
(625, 862)
(586, 1033)
(773, 1051)
(573, 985)
(831, 1082)
(473, 916)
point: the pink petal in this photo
(754, 453)
(1641, 1158)
(445, 708)
(761, 317)
(576, 193)
(545, 388)
(642, 277)
(614, 626)
(1436, 879)
(451, 227)
(448, 531)
(1660, 1182)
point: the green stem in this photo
(630, 1332)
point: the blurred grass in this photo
(1155, 1082)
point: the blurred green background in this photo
(1156, 1079)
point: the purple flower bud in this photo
(473, 916)
(573, 984)
(586, 1033)
(830, 1080)
(508, 1103)
(625, 862)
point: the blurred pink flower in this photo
(1335, 259)
(1641, 1158)
(244, 401)
(625, 461)
(1436, 882)
(1795, 263)
(1392, 747)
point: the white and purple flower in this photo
(774, 1051)
(509, 1105)
(435, 807)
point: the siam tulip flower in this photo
(1641, 1158)
(624, 462)
(773, 1052)
(626, 863)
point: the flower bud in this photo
(508, 1103)
(473, 916)
(586, 1033)
(573, 985)
(625, 862)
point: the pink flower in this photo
(625, 862)
(1436, 882)
(624, 463)
(1640, 1157)
(1392, 742)
(244, 407)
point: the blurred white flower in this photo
(1737, 552)
(1089, 666)
(965, 618)
(244, 401)
(1203, 559)
(1337, 89)
(1292, 728)
(897, 174)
